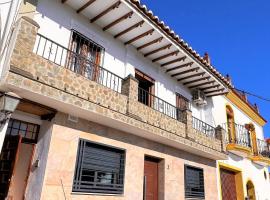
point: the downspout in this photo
(6, 35)
(12, 9)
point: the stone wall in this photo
(33, 73)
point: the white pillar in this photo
(3, 130)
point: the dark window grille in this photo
(99, 169)
(28, 131)
(194, 183)
(84, 59)
(86, 49)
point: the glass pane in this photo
(16, 124)
(23, 126)
(14, 132)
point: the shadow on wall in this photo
(36, 177)
(117, 135)
(235, 158)
(116, 52)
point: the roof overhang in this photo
(134, 25)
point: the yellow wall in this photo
(242, 105)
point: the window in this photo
(99, 169)
(181, 102)
(230, 124)
(28, 131)
(194, 183)
(146, 88)
(86, 56)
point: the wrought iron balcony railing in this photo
(203, 127)
(263, 148)
(162, 106)
(237, 134)
(75, 62)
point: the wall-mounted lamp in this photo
(8, 103)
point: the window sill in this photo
(96, 194)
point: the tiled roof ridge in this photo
(180, 41)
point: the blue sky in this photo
(235, 33)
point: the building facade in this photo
(245, 172)
(114, 105)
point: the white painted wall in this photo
(56, 20)
(36, 177)
(3, 130)
(219, 113)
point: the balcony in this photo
(261, 152)
(162, 106)
(75, 62)
(55, 76)
(203, 127)
(237, 139)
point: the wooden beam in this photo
(197, 80)
(85, 5)
(210, 87)
(140, 36)
(112, 7)
(166, 56)
(150, 43)
(191, 76)
(129, 29)
(223, 93)
(124, 17)
(201, 84)
(180, 66)
(213, 91)
(186, 71)
(174, 61)
(157, 50)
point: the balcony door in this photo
(182, 104)
(230, 124)
(146, 88)
(250, 191)
(85, 56)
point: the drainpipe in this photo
(13, 9)
(5, 33)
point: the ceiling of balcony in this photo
(126, 22)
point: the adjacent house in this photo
(102, 100)
(245, 173)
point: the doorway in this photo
(146, 88)
(16, 158)
(151, 178)
(250, 191)
(230, 124)
(228, 185)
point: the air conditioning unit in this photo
(199, 98)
